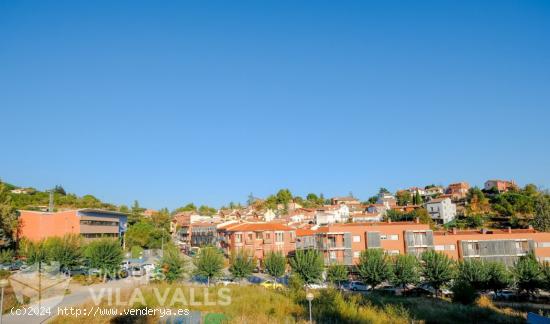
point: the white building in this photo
(332, 214)
(441, 210)
(269, 215)
(387, 200)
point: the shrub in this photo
(275, 264)
(308, 265)
(242, 265)
(463, 292)
(373, 267)
(172, 264)
(209, 263)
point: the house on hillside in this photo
(441, 210)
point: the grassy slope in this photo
(254, 304)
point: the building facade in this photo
(88, 223)
(441, 210)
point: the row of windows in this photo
(98, 235)
(279, 236)
(98, 223)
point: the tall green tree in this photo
(437, 269)
(66, 250)
(172, 264)
(337, 273)
(275, 264)
(136, 213)
(308, 265)
(8, 216)
(545, 273)
(405, 270)
(499, 276)
(105, 254)
(528, 274)
(473, 272)
(241, 265)
(208, 263)
(541, 222)
(373, 267)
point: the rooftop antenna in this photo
(50, 205)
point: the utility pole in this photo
(50, 205)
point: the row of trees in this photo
(374, 268)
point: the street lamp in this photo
(3, 284)
(309, 297)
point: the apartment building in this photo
(331, 214)
(203, 234)
(502, 245)
(441, 210)
(500, 185)
(458, 190)
(305, 239)
(343, 243)
(257, 238)
(89, 223)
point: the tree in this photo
(541, 222)
(437, 269)
(8, 216)
(66, 250)
(241, 265)
(34, 252)
(59, 190)
(545, 272)
(139, 234)
(136, 213)
(473, 272)
(527, 273)
(188, 207)
(499, 276)
(206, 211)
(383, 191)
(104, 254)
(417, 199)
(403, 197)
(172, 264)
(337, 273)
(405, 270)
(6, 256)
(275, 264)
(308, 265)
(373, 267)
(209, 263)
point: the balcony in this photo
(268, 241)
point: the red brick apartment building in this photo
(458, 190)
(343, 243)
(88, 223)
(257, 238)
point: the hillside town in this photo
(409, 221)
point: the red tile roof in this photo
(259, 227)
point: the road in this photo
(78, 295)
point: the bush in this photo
(463, 293)
(173, 265)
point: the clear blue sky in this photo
(207, 101)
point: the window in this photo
(356, 254)
(439, 247)
(250, 236)
(267, 236)
(356, 238)
(543, 244)
(393, 237)
(279, 237)
(259, 235)
(98, 235)
(238, 238)
(383, 237)
(98, 223)
(332, 254)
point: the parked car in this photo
(136, 271)
(271, 285)
(149, 267)
(503, 295)
(417, 292)
(226, 281)
(357, 286)
(444, 291)
(316, 286)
